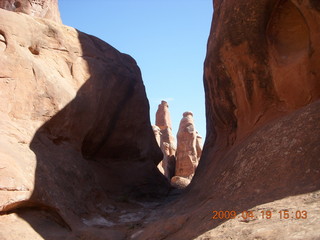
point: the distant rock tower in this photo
(38, 8)
(179, 163)
(189, 147)
(167, 140)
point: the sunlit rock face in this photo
(38, 8)
(261, 77)
(74, 122)
(262, 87)
(188, 147)
(180, 159)
(167, 140)
(259, 66)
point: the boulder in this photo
(180, 182)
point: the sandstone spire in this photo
(188, 148)
(163, 120)
(39, 8)
(167, 140)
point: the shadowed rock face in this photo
(263, 133)
(38, 8)
(262, 62)
(74, 121)
(262, 87)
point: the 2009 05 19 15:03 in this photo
(263, 214)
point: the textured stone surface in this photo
(167, 140)
(38, 8)
(259, 66)
(261, 227)
(157, 133)
(180, 182)
(163, 119)
(263, 133)
(188, 147)
(71, 109)
(261, 151)
(278, 160)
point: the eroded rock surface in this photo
(74, 123)
(262, 62)
(262, 91)
(188, 147)
(167, 140)
(261, 152)
(38, 8)
(163, 119)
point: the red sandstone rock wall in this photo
(262, 86)
(262, 62)
(74, 121)
(262, 91)
(39, 8)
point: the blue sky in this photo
(167, 38)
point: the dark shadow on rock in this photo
(279, 160)
(100, 146)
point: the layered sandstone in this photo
(38, 8)
(74, 123)
(188, 147)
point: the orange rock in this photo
(38, 8)
(157, 133)
(73, 114)
(188, 147)
(260, 66)
(180, 182)
(163, 119)
(262, 87)
(167, 140)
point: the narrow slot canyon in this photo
(80, 159)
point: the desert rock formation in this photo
(180, 161)
(259, 66)
(262, 87)
(38, 8)
(71, 109)
(163, 119)
(180, 182)
(61, 125)
(167, 140)
(157, 134)
(188, 147)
